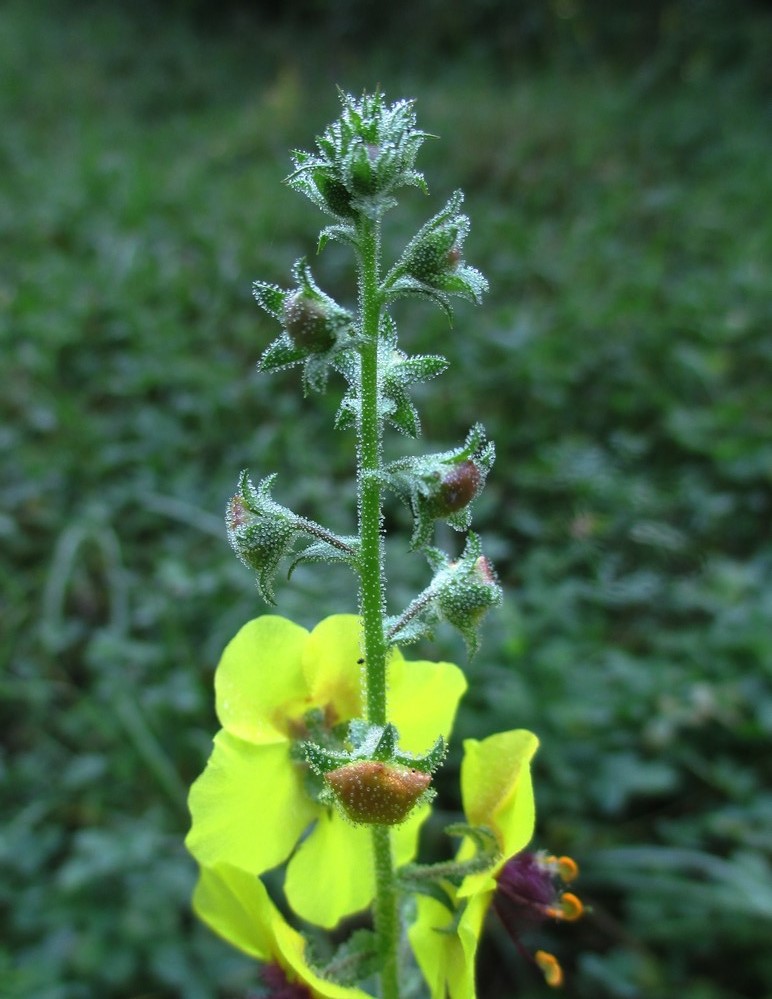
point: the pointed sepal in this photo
(432, 266)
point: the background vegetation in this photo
(616, 164)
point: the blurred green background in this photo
(616, 162)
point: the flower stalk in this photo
(329, 739)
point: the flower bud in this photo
(309, 323)
(465, 591)
(377, 793)
(436, 254)
(457, 488)
(442, 486)
(361, 159)
(254, 538)
(432, 264)
(333, 194)
(260, 531)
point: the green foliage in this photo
(622, 366)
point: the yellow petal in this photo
(496, 787)
(446, 958)
(238, 908)
(249, 806)
(423, 698)
(332, 673)
(331, 875)
(259, 683)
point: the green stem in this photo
(386, 919)
(371, 593)
(371, 580)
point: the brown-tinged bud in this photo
(308, 323)
(457, 488)
(260, 531)
(377, 793)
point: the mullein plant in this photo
(323, 766)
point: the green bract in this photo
(398, 372)
(251, 806)
(497, 795)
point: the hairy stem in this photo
(372, 582)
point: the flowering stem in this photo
(371, 578)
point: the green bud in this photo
(361, 159)
(309, 323)
(464, 591)
(260, 531)
(432, 264)
(435, 256)
(333, 194)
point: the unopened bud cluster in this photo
(361, 159)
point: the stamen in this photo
(550, 968)
(571, 906)
(568, 869)
(568, 907)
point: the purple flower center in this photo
(278, 987)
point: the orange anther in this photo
(550, 968)
(571, 906)
(568, 868)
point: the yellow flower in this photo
(497, 794)
(251, 807)
(237, 907)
